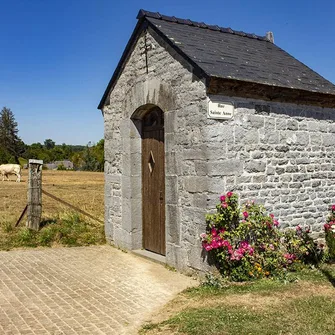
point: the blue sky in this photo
(57, 57)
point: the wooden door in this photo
(153, 182)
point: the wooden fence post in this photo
(34, 194)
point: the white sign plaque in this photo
(222, 110)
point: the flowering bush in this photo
(330, 234)
(246, 243)
(300, 244)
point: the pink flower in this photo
(276, 223)
(229, 194)
(225, 243)
(245, 214)
(298, 228)
(333, 207)
(236, 255)
(203, 235)
(214, 232)
(290, 257)
(224, 205)
(326, 226)
(272, 216)
(208, 247)
(223, 198)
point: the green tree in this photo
(10, 142)
(98, 152)
(90, 163)
(77, 160)
(49, 144)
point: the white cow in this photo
(7, 169)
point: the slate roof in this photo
(225, 53)
(228, 54)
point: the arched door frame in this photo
(149, 120)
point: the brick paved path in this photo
(85, 290)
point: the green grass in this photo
(263, 286)
(313, 315)
(305, 306)
(68, 229)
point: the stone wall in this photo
(154, 74)
(281, 155)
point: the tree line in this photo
(14, 150)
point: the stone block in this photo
(172, 166)
(291, 169)
(282, 148)
(172, 224)
(257, 155)
(222, 132)
(301, 177)
(292, 124)
(259, 179)
(201, 168)
(225, 168)
(195, 152)
(315, 139)
(270, 170)
(256, 121)
(135, 164)
(171, 190)
(194, 184)
(303, 125)
(170, 122)
(269, 136)
(200, 200)
(328, 140)
(313, 126)
(255, 166)
(281, 124)
(243, 136)
(302, 138)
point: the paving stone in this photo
(84, 290)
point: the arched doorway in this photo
(153, 181)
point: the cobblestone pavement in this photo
(84, 290)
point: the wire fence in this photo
(63, 191)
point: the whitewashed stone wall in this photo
(281, 155)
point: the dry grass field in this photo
(84, 190)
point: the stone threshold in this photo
(150, 256)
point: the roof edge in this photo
(156, 15)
